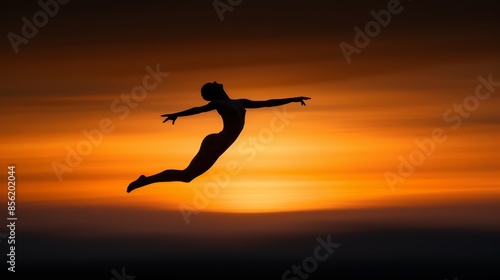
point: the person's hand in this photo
(301, 100)
(171, 117)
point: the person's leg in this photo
(165, 176)
(207, 155)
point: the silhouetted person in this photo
(214, 145)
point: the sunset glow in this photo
(390, 171)
(333, 153)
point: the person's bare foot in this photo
(136, 184)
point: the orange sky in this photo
(333, 154)
(395, 156)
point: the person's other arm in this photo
(272, 102)
(189, 112)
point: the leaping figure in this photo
(214, 145)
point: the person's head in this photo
(213, 91)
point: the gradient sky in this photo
(332, 154)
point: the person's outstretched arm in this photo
(193, 111)
(272, 102)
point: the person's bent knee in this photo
(188, 177)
